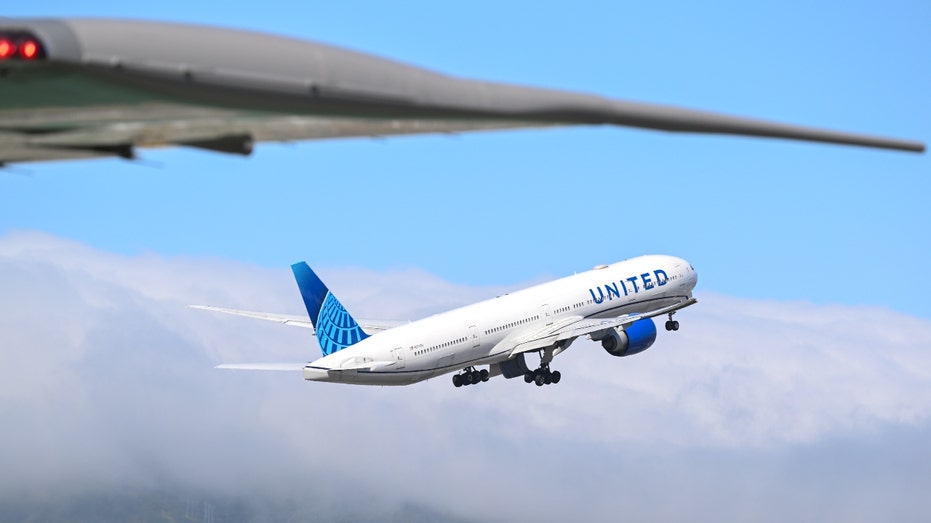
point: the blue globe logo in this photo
(336, 329)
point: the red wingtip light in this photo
(29, 49)
(7, 48)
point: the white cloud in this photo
(106, 378)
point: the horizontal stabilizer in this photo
(365, 364)
(298, 321)
(262, 366)
(287, 319)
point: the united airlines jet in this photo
(613, 304)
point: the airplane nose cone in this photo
(693, 277)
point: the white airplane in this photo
(613, 304)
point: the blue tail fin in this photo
(335, 328)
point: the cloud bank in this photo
(754, 409)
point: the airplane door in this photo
(547, 314)
(473, 333)
(398, 354)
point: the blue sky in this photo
(758, 218)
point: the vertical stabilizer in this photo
(335, 328)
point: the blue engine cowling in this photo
(637, 337)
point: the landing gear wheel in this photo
(542, 375)
(471, 376)
(675, 325)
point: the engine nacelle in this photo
(637, 337)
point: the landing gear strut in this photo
(470, 376)
(671, 324)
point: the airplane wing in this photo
(298, 321)
(573, 327)
(75, 88)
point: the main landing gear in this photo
(470, 376)
(543, 376)
(671, 324)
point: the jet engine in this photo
(637, 337)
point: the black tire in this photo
(556, 377)
(528, 377)
(483, 374)
(457, 380)
(675, 325)
(540, 380)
